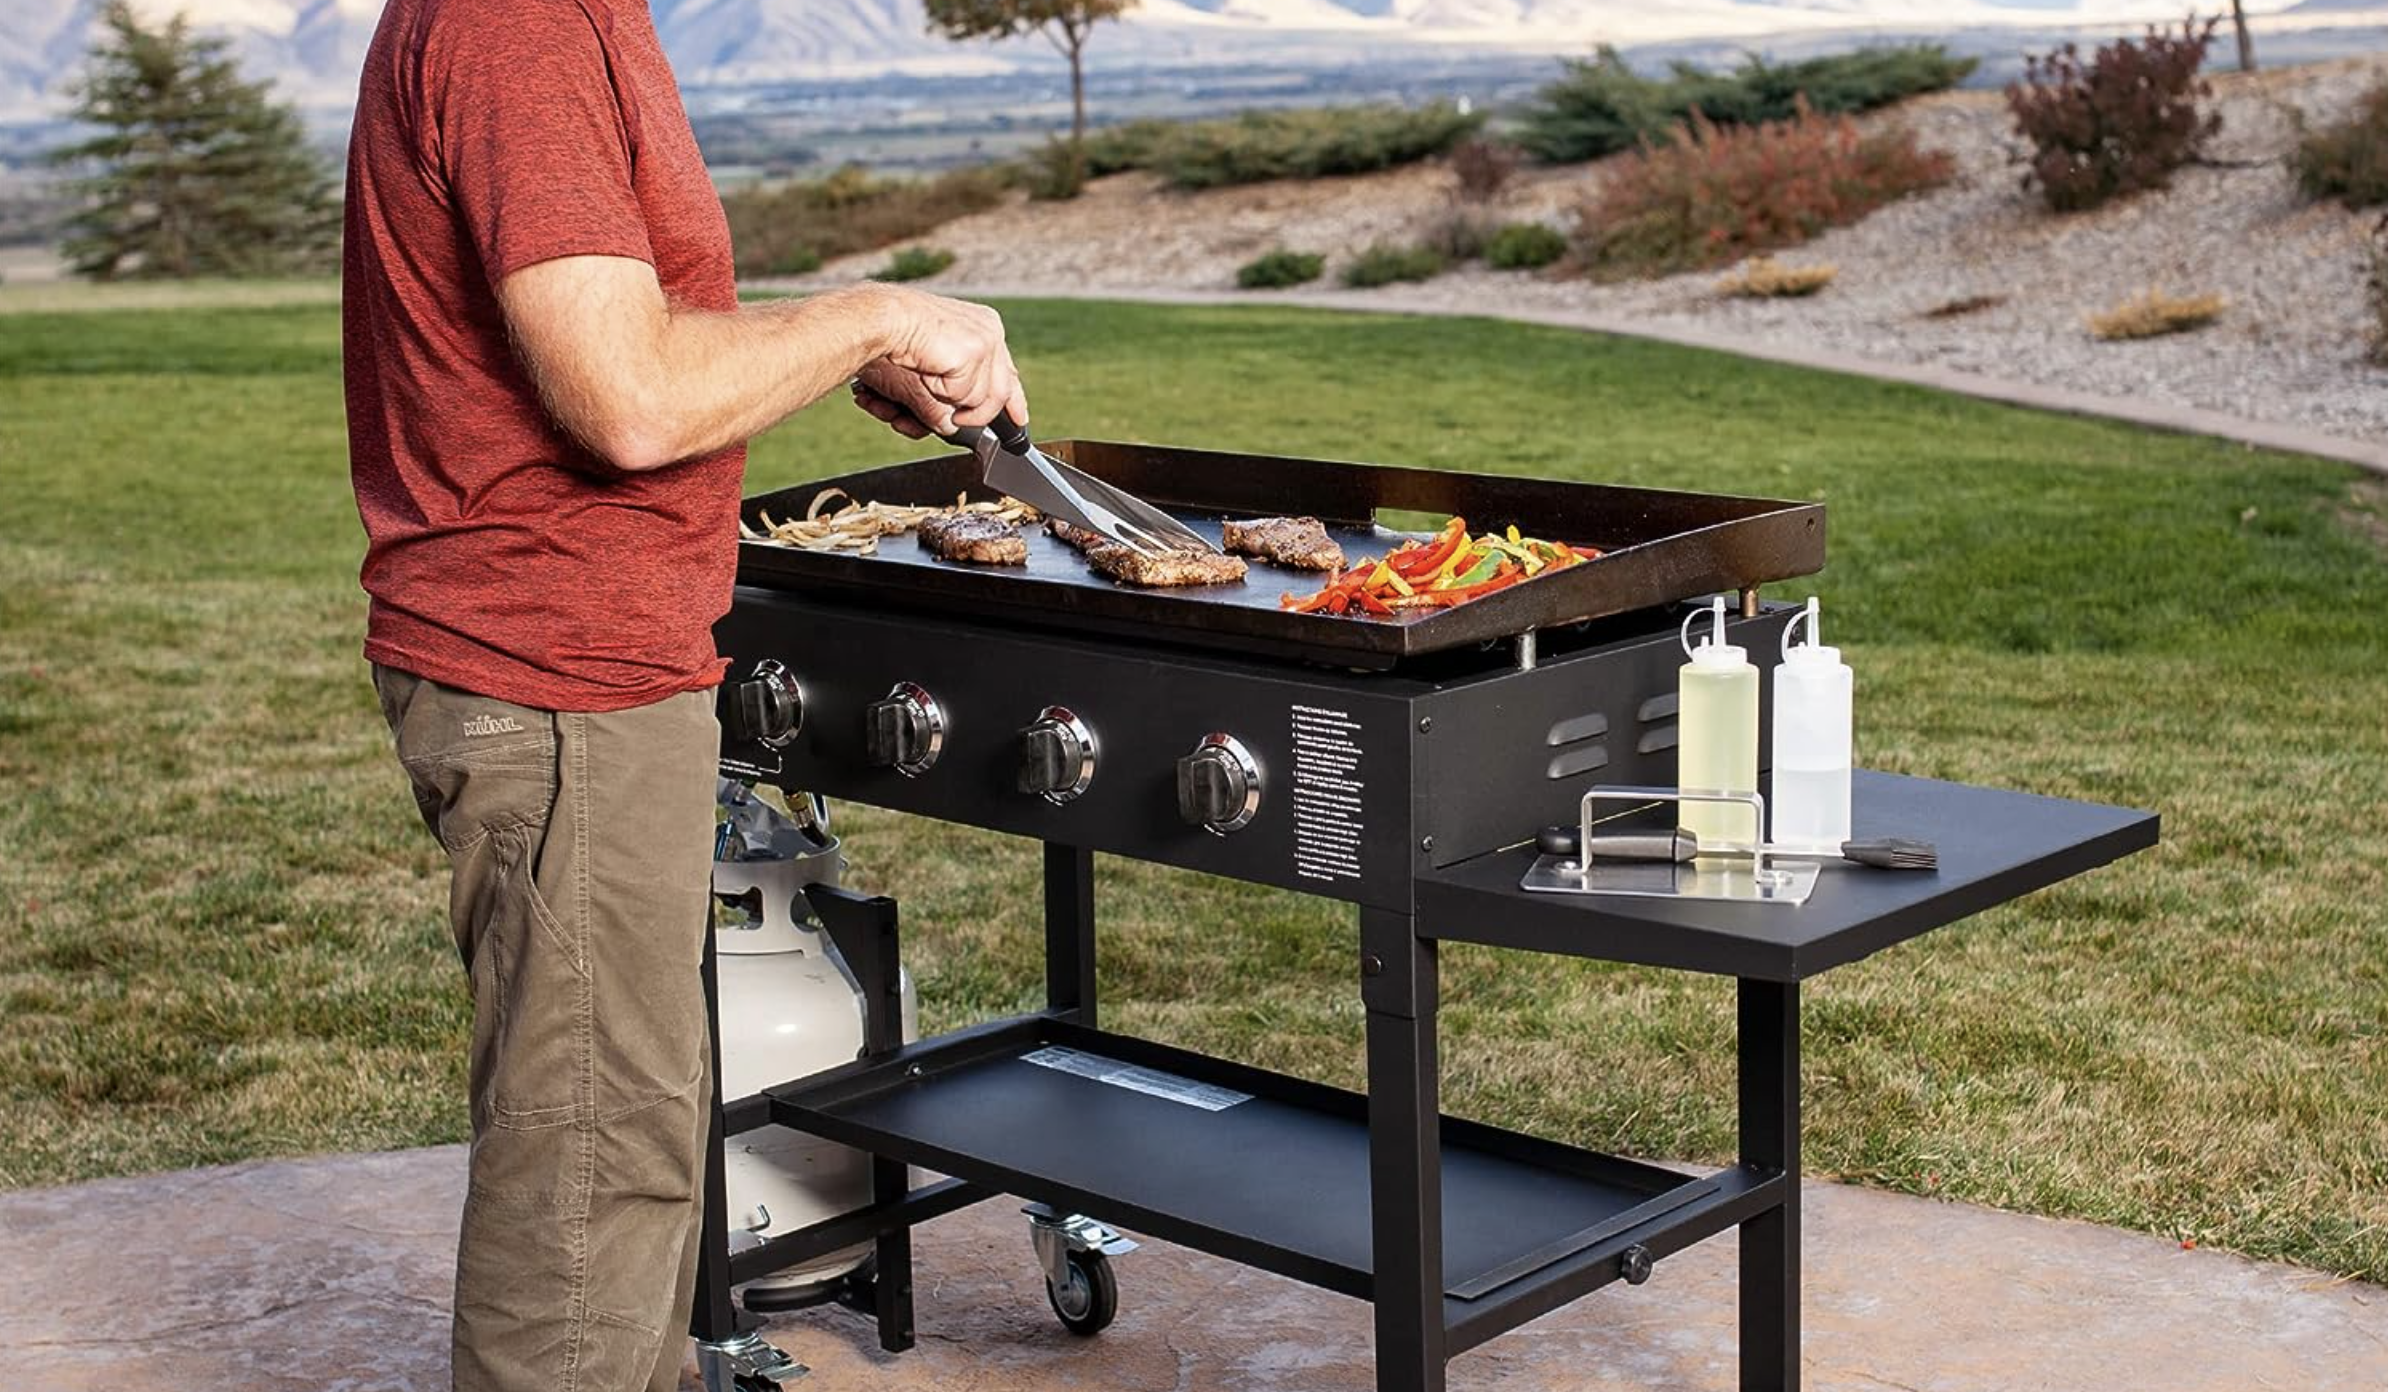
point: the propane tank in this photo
(789, 1006)
(1717, 742)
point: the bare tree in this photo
(1066, 24)
(2238, 20)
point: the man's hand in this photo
(950, 365)
(952, 369)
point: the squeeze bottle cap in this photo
(1713, 651)
(1812, 651)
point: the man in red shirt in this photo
(549, 383)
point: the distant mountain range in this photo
(312, 48)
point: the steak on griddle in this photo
(1299, 542)
(975, 537)
(1156, 572)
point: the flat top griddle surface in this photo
(1054, 561)
(1659, 546)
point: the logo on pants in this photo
(481, 725)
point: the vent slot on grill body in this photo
(1582, 759)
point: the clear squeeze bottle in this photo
(1813, 692)
(1717, 741)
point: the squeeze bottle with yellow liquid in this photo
(1716, 721)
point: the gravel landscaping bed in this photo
(2288, 349)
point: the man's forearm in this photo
(644, 384)
(721, 378)
(725, 378)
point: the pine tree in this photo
(194, 171)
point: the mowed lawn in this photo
(221, 927)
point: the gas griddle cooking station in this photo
(1398, 766)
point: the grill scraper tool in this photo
(1011, 463)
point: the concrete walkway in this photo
(2369, 454)
(331, 1275)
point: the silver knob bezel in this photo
(1067, 720)
(773, 672)
(932, 719)
(1251, 769)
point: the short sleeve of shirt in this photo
(533, 138)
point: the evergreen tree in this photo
(193, 170)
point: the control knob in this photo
(766, 708)
(1057, 756)
(1218, 785)
(904, 730)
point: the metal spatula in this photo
(1012, 463)
(1881, 852)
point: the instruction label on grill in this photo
(1149, 1081)
(1327, 790)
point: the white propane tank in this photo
(789, 1006)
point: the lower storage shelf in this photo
(1254, 1166)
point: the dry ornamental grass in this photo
(2153, 314)
(1765, 278)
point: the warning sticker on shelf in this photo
(1151, 1082)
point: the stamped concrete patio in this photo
(331, 1275)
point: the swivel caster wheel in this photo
(1076, 1253)
(746, 1363)
(1088, 1300)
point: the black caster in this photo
(1088, 1300)
(746, 1363)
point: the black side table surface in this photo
(1994, 846)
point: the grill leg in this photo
(1398, 985)
(714, 1318)
(868, 931)
(1769, 1028)
(1070, 931)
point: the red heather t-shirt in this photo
(503, 558)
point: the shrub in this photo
(1129, 145)
(2117, 124)
(914, 263)
(2152, 313)
(1714, 195)
(1602, 106)
(1304, 143)
(1458, 235)
(1052, 171)
(1765, 278)
(2348, 160)
(1280, 268)
(1967, 304)
(1383, 263)
(1524, 246)
(795, 259)
(1481, 168)
(848, 211)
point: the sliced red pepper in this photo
(1429, 556)
(1374, 605)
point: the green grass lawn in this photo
(220, 924)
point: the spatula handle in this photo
(1009, 433)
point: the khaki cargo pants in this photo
(581, 847)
